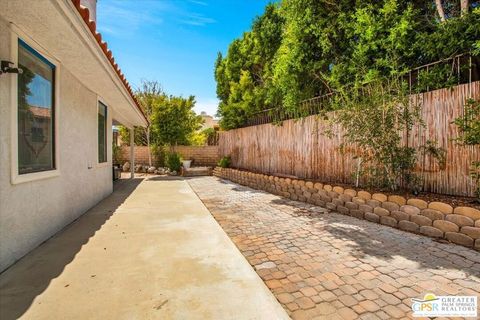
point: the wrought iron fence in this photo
(460, 69)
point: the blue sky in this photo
(174, 41)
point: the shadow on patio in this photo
(30, 276)
(367, 240)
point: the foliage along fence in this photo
(200, 155)
(299, 148)
(460, 69)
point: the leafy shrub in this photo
(469, 124)
(225, 162)
(173, 161)
(373, 118)
(159, 154)
(469, 127)
(116, 154)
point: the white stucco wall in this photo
(31, 212)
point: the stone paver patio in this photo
(332, 266)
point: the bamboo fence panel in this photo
(300, 148)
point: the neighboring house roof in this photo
(39, 112)
(85, 14)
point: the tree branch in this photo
(441, 13)
(464, 6)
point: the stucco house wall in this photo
(31, 212)
(33, 207)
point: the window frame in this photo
(16, 178)
(22, 43)
(103, 163)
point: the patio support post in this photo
(132, 153)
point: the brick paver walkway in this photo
(332, 266)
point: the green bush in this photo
(173, 161)
(225, 162)
(159, 154)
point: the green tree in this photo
(244, 75)
(174, 121)
(299, 49)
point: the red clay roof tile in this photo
(85, 14)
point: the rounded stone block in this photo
(327, 187)
(431, 231)
(472, 232)
(477, 223)
(388, 221)
(468, 212)
(343, 210)
(459, 220)
(372, 217)
(332, 194)
(364, 195)
(432, 214)
(338, 202)
(365, 208)
(399, 215)
(358, 200)
(409, 209)
(320, 203)
(459, 238)
(408, 226)
(419, 203)
(351, 205)
(345, 197)
(307, 194)
(352, 193)
(476, 245)
(322, 193)
(325, 198)
(397, 199)
(301, 183)
(446, 226)
(421, 220)
(390, 206)
(440, 206)
(330, 205)
(294, 197)
(381, 211)
(357, 213)
(379, 197)
(338, 189)
(309, 184)
(374, 203)
(288, 181)
(318, 186)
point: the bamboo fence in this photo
(300, 148)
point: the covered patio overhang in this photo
(63, 30)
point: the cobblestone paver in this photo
(324, 265)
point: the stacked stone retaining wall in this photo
(460, 225)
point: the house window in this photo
(36, 112)
(102, 132)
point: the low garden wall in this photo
(460, 225)
(201, 155)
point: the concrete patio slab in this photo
(149, 251)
